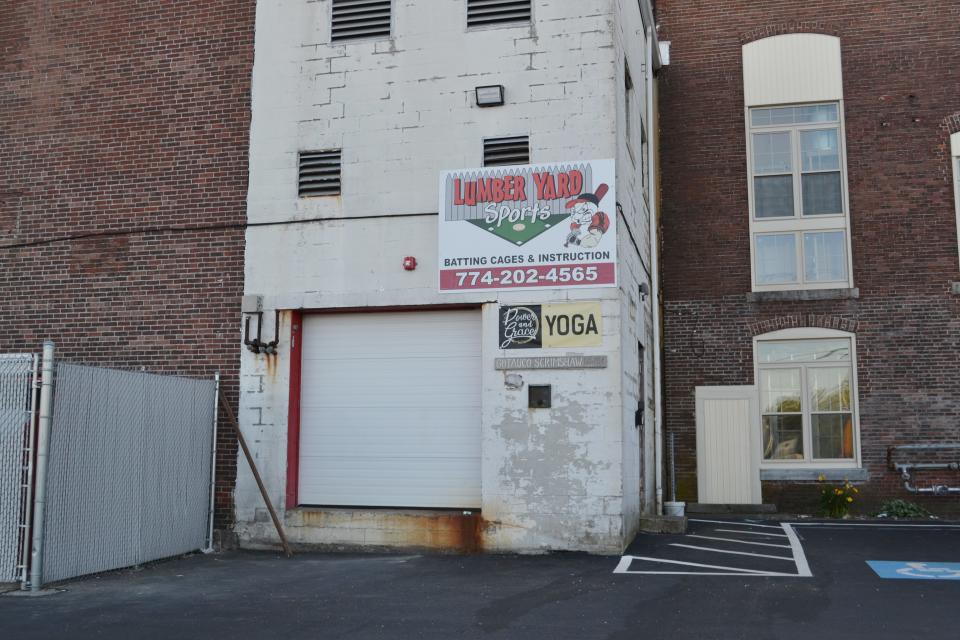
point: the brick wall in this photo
(900, 68)
(123, 147)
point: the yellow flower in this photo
(821, 478)
(837, 491)
(855, 490)
(849, 499)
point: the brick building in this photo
(123, 146)
(809, 234)
(810, 243)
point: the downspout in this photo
(43, 452)
(654, 272)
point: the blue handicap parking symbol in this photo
(916, 570)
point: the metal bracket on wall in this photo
(256, 345)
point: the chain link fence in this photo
(129, 471)
(16, 383)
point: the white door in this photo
(390, 409)
(728, 445)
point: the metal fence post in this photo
(28, 500)
(213, 461)
(43, 450)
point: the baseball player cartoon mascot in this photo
(588, 223)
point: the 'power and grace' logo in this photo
(520, 327)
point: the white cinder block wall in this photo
(633, 194)
(402, 110)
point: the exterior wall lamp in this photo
(490, 95)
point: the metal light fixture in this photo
(644, 291)
(490, 95)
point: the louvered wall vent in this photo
(486, 12)
(503, 151)
(319, 173)
(352, 19)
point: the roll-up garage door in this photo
(390, 409)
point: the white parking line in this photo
(762, 544)
(741, 524)
(750, 533)
(892, 525)
(803, 569)
(623, 567)
(710, 573)
(739, 553)
(796, 554)
(787, 530)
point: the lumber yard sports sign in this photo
(531, 227)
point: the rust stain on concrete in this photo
(457, 532)
(271, 361)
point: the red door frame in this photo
(293, 410)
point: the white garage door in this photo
(390, 409)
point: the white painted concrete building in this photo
(382, 419)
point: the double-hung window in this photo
(796, 158)
(808, 396)
(798, 197)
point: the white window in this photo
(799, 208)
(807, 384)
(798, 197)
(955, 146)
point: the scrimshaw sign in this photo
(531, 226)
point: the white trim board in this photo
(728, 445)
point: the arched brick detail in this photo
(948, 126)
(952, 123)
(766, 31)
(799, 320)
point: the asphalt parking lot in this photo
(724, 579)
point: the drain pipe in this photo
(43, 451)
(654, 275)
(907, 470)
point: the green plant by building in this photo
(835, 501)
(902, 509)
